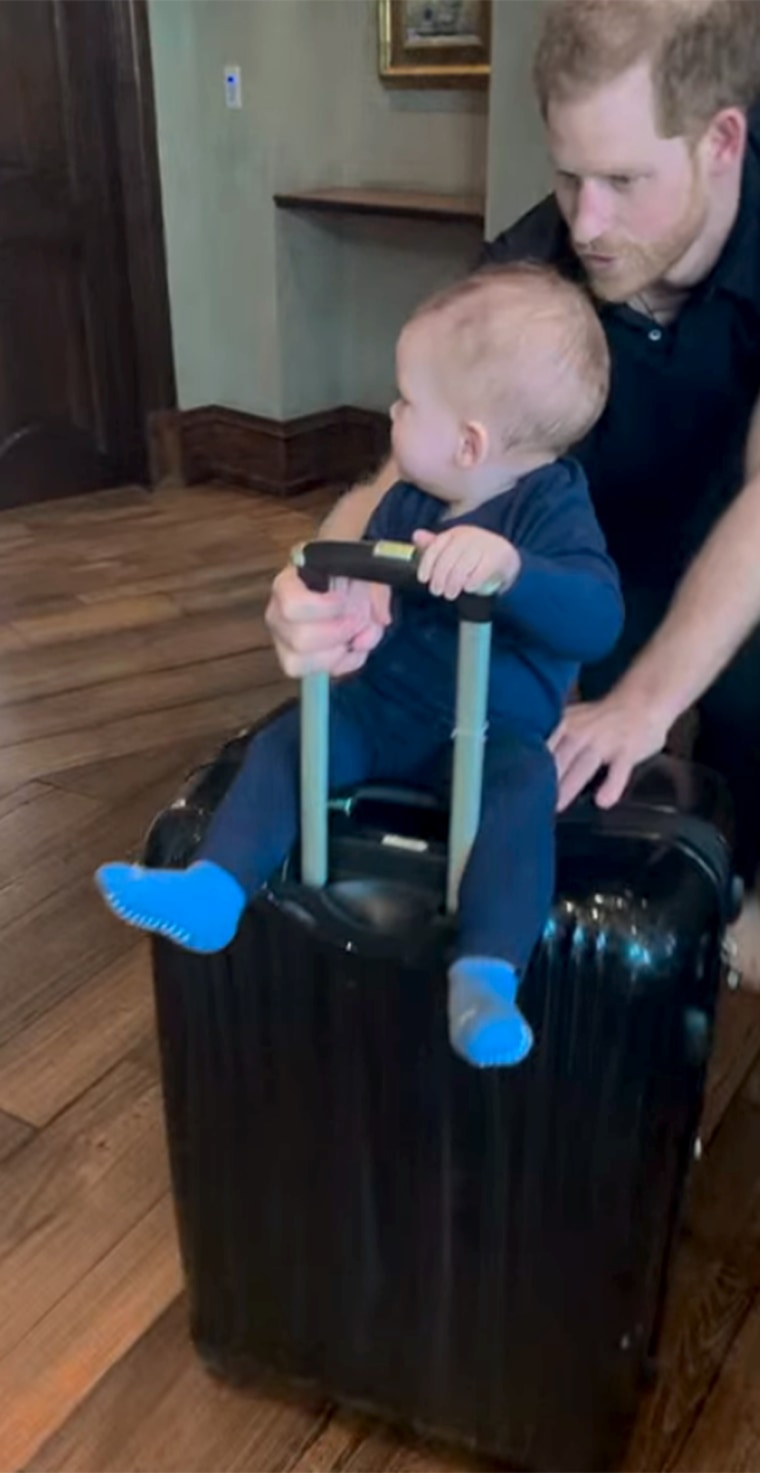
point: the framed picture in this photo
(435, 43)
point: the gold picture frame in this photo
(435, 43)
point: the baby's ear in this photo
(473, 445)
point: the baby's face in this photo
(425, 428)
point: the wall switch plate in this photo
(233, 87)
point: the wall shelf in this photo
(403, 203)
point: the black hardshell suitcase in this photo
(480, 1255)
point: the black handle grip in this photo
(394, 563)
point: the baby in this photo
(497, 377)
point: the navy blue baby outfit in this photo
(393, 721)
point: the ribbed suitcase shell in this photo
(479, 1255)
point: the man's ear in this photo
(725, 139)
(472, 446)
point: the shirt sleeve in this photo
(566, 598)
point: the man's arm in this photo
(352, 511)
(332, 631)
(714, 610)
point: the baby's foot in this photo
(486, 1027)
(199, 907)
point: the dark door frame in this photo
(97, 210)
(137, 147)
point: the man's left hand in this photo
(616, 733)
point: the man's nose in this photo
(590, 218)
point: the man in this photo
(657, 203)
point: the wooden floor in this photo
(131, 640)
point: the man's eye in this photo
(621, 181)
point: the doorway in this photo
(85, 338)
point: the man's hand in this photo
(615, 733)
(463, 559)
(332, 631)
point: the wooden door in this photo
(71, 403)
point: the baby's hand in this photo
(464, 558)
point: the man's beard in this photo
(639, 267)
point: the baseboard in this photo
(278, 457)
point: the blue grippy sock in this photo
(486, 1027)
(199, 907)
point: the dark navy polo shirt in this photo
(666, 458)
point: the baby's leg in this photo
(252, 832)
(504, 899)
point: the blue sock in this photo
(486, 1026)
(199, 907)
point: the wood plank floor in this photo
(131, 642)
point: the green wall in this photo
(283, 313)
(518, 166)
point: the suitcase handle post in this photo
(397, 565)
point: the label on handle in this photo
(400, 551)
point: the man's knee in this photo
(728, 741)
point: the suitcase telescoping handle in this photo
(395, 563)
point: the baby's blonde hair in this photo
(524, 350)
